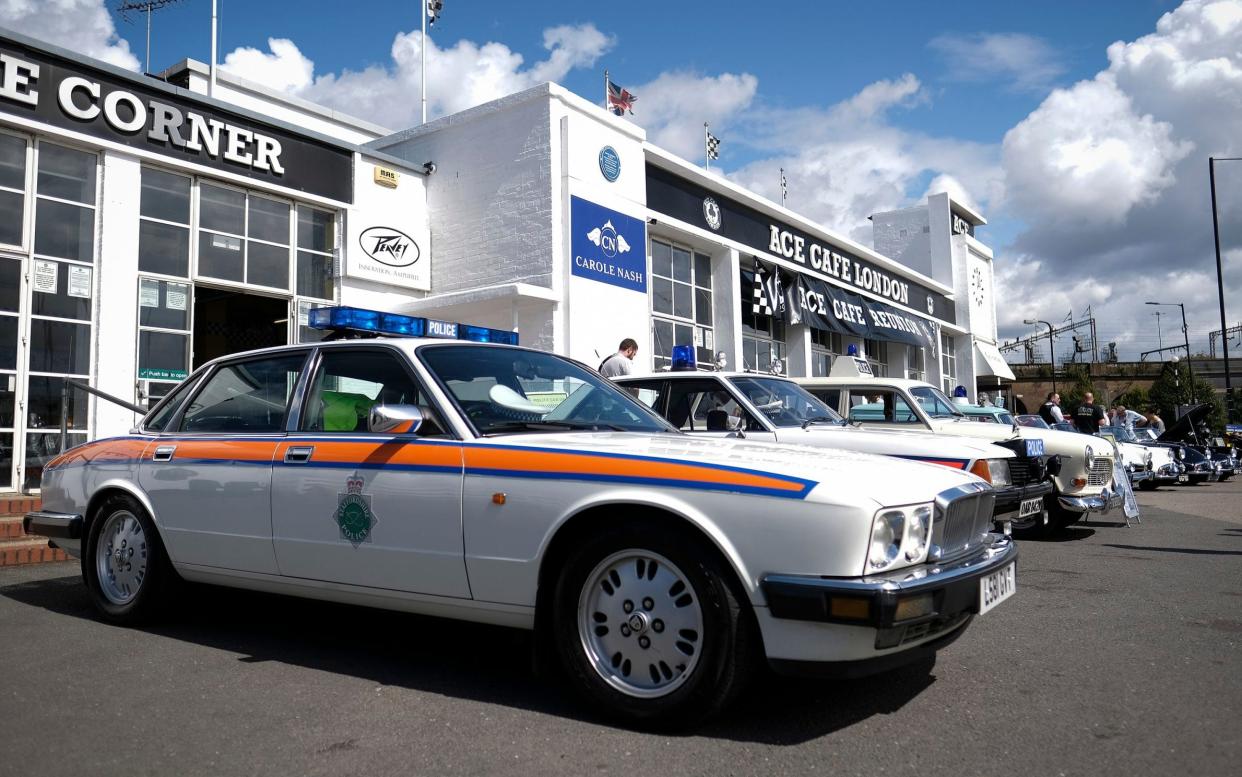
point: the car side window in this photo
(647, 392)
(705, 406)
(880, 405)
(830, 397)
(348, 383)
(246, 397)
(160, 418)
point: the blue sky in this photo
(1081, 129)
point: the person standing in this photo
(1154, 422)
(1050, 411)
(1088, 415)
(621, 362)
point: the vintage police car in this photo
(1085, 483)
(775, 409)
(504, 485)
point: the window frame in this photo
(292, 405)
(705, 331)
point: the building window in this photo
(13, 152)
(244, 238)
(61, 302)
(316, 253)
(948, 364)
(164, 224)
(681, 302)
(825, 347)
(916, 363)
(763, 337)
(877, 356)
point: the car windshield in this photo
(510, 391)
(1146, 435)
(1119, 433)
(785, 403)
(1033, 421)
(934, 402)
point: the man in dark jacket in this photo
(1051, 409)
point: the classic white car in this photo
(1165, 468)
(1085, 482)
(775, 409)
(510, 486)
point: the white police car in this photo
(498, 484)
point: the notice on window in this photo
(45, 276)
(148, 293)
(175, 296)
(708, 341)
(698, 337)
(79, 281)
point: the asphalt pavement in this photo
(1119, 655)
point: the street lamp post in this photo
(1220, 282)
(1052, 353)
(1190, 368)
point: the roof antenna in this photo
(127, 7)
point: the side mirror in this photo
(394, 419)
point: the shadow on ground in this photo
(468, 661)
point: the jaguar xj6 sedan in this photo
(494, 483)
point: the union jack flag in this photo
(620, 100)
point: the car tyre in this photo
(608, 624)
(1148, 485)
(127, 571)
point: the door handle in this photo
(163, 453)
(298, 454)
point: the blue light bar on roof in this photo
(348, 319)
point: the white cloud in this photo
(461, 76)
(82, 26)
(1086, 156)
(1110, 176)
(1024, 61)
(282, 68)
(673, 107)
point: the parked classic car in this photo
(1085, 482)
(1139, 460)
(1166, 470)
(509, 486)
(776, 409)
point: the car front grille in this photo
(961, 525)
(1101, 471)
(1023, 471)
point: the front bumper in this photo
(954, 588)
(1139, 475)
(1102, 502)
(1008, 500)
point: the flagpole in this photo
(422, 46)
(707, 152)
(606, 79)
(211, 82)
(782, 187)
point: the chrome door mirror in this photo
(394, 419)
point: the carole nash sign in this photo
(682, 199)
(608, 246)
(146, 114)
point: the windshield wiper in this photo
(821, 419)
(551, 426)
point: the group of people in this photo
(1088, 417)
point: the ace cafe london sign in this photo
(80, 98)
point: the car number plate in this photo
(1183, 478)
(1034, 448)
(1030, 507)
(997, 587)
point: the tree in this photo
(1173, 388)
(1134, 399)
(1079, 378)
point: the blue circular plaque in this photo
(609, 163)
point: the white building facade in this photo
(146, 228)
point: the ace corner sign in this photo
(607, 246)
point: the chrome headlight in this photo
(900, 536)
(1090, 454)
(994, 471)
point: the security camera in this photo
(429, 168)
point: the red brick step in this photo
(31, 550)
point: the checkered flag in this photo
(784, 187)
(766, 297)
(712, 143)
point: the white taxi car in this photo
(1086, 482)
(503, 485)
(775, 409)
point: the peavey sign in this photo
(675, 196)
(146, 114)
